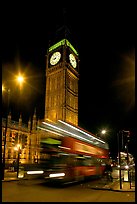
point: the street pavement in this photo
(101, 184)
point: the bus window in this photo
(80, 161)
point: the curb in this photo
(15, 179)
(111, 189)
(8, 180)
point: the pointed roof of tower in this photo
(61, 31)
(9, 115)
(34, 116)
(20, 116)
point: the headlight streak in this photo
(81, 131)
(64, 147)
(20, 176)
(35, 172)
(56, 175)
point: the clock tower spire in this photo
(62, 75)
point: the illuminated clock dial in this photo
(73, 60)
(55, 58)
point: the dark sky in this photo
(104, 37)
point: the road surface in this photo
(39, 191)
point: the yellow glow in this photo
(3, 88)
(18, 146)
(20, 79)
(125, 175)
(124, 81)
(20, 175)
(15, 148)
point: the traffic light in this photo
(127, 135)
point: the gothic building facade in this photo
(24, 135)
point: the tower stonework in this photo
(61, 98)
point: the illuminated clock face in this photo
(55, 58)
(73, 60)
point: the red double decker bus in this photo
(74, 154)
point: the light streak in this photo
(50, 131)
(81, 131)
(64, 147)
(56, 175)
(35, 172)
(74, 135)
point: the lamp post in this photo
(127, 135)
(20, 80)
(18, 149)
(4, 150)
(119, 159)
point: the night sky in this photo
(104, 37)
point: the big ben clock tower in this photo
(62, 66)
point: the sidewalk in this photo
(115, 186)
(125, 186)
(10, 176)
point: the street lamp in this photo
(119, 159)
(103, 132)
(8, 101)
(121, 135)
(3, 88)
(20, 80)
(18, 149)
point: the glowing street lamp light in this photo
(103, 132)
(20, 79)
(16, 148)
(3, 88)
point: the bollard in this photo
(21, 172)
(130, 178)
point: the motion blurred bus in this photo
(73, 154)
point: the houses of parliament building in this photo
(61, 103)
